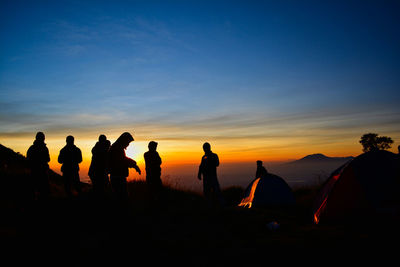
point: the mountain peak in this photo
(321, 158)
(317, 156)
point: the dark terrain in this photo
(87, 231)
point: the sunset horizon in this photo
(186, 156)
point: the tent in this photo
(268, 190)
(365, 187)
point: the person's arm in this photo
(47, 155)
(29, 153)
(132, 164)
(159, 159)
(216, 160)
(79, 154)
(200, 169)
(61, 157)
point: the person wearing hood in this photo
(119, 165)
(70, 156)
(38, 159)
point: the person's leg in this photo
(119, 188)
(207, 190)
(216, 189)
(43, 183)
(124, 189)
(77, 182)
(67, 183)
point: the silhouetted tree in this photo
(371, 142)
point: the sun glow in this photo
(135, 151)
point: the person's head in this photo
(40, 137)
(102, 138)
(259, 163)
(70, 140)
(125, 139)
(153, 146)
(206, 147)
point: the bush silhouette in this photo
(372, 142)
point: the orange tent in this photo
(366, 186)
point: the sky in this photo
(269, 80)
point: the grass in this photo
(86, 231)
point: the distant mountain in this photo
(311, 169)
(319, 158)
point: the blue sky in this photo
(228, 71)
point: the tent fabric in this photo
(269, 190)
(367, 186)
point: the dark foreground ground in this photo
(85, 231)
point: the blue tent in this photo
(268, 190)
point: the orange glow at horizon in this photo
(175, 153)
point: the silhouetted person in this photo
(38, 158)
(70, 157)
(261, 171)
(153, 172)
(98, 170)
(398, 149)
(119, 165)
(208, 168)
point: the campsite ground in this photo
(85, 230)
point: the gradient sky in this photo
(269, 80)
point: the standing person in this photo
(153, 172)
(261, 171)
(208, 168)
(38, 158)
(98, 171)
(70, 157)
(119, 165)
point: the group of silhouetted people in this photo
(110, 168)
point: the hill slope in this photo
(15, 175)
(311, 169)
